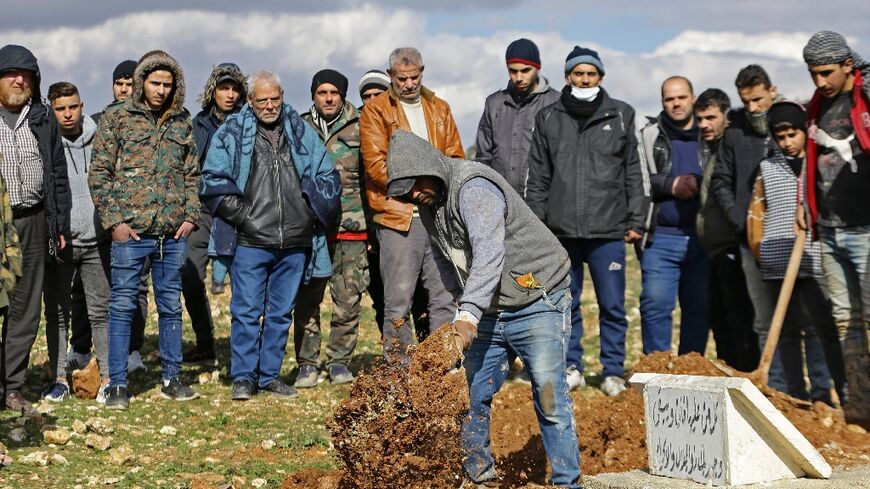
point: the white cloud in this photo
(462, 69)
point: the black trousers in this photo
(193, 283)
(732, 313)
(25, 306)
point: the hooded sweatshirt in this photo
(85, 226)
(492, 275)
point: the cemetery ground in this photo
(214, 442)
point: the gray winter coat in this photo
(589, 183)
(504, 133)
(85, 226)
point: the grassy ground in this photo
(212, 439)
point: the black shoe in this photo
(279, 388)
(117, 398)
(242, 390)
(204, 357)
(178, 391)
(217, 288)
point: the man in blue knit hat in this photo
(505, 130)
(587, 185)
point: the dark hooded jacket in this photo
(44, 126)
(207, 121)
(535, 263)
(143, 170)
(504, 133)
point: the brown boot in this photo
(16, 402)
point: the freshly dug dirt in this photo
(611, 431)
(400, 427)
(86, 381)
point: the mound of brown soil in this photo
(400, 427)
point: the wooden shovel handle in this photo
(791, 273)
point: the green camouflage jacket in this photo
(342, 145)
(10, 255)
(144, 172)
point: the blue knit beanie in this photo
(583, 55)
(523, 51)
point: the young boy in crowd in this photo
(809, 309)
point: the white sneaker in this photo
(575, 378)
(613, 385)
(76, 360)
(101, 394)
(134, 362)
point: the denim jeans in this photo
(538, 334)
(265, 282)
(606, 259)
(675, 266)
(846, 265)
(167, 258)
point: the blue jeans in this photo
(265, 282)
(846, 264)
(606, 259)
(674, 266)
(538, 334)
(167, 258)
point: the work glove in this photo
(465, 333)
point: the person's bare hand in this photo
(185, 229)
(465, 334)
(800, 219)
(61, 242)
(632, 236)
(123, 233)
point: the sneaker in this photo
(307, 377)
(204, 357)
(76, 360)
(613, 385)
(217, 288)
(242, 390)
(134, 362)
(117, 398)
(574, 377)
(58, 392)
(339, 374)
(177, 390)
(102, 394)
(280, 389)
(16, 402)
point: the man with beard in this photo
(224, 94)
(673, 262)
(34, 168)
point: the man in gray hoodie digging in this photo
(509, 275)
(89, 254)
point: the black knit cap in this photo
(329, 76)
(523, 51)
(787, 114)
(124, 69)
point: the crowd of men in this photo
(381, 199)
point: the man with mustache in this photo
(34, 168)
(405, 250)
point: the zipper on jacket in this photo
(280, 199)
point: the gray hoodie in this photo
(500, 264)
(85, 226)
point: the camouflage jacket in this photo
(144, 172)
(342, 145)
(10, 254)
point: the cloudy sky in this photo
(462, 42)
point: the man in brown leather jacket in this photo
(405, 250)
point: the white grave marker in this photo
(721, 430)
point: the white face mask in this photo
(585, 94)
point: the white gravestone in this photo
(722, 431)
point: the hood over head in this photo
(14, 57)
(222, 72)
(409, 157)
(158, 60)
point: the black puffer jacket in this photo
(273, 213)
(587, 182)
(42, 122)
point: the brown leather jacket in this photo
(378, 121)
